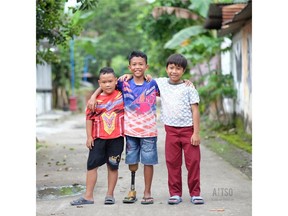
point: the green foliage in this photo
(238, 140)
(55, 26)
(109, 29)
(216, 86)
(119, 64)
(156, 32)
(111, 32)
(197, 44)
(61, 69)
(200, 6)
(201, 48)
(234, 135)
(38, 145)
(106, 33)
(183, 35)
(87, 4)
(169, 34)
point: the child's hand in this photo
(90, 142)
(148, 77)
(91, 104)
(125, 77)
(188, 83)
(195, 139)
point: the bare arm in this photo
(125, 77)
(92, 101)
(89, 141)
(148, 78)
(195, 139)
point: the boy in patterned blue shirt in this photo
(181, 118)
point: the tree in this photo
(54, 27)
(196, 43)
(157, 30)
(105, 33)
(112, 31)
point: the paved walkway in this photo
(61, 161)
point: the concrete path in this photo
(61, 161)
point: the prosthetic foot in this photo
(131, 198)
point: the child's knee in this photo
(114, 161)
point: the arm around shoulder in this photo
(92, 101)
(125, 77)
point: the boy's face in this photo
(107, 82)
(138, 66)
(174, 72)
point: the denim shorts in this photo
(141, 149)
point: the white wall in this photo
(43, 88)
(241, 59)
(43, 103)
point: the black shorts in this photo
(106, 151)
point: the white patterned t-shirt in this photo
(176, 101)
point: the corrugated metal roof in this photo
(228, 18)
(228, 12)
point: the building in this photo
(235, 21)
(43, 88)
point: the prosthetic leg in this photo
(131, 198)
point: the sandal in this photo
(147, 200)
(109, 200)
(197, 200)
(174, 200)
(81, 201)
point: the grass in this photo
(238, 140)
(232, 135)
(38, 145)
(230, 143)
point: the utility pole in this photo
(72, 99)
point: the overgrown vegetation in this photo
(113, 28)
(214, 86)
(229, 142)
(242, 142)
(55, 27)
(232, 133)
(38, 145)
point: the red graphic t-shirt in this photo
(108, 117)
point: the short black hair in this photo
(107, 70)
(177, 59)
(137, 53)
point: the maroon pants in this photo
(178, 139)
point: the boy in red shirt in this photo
(105, 137)
(140, 123)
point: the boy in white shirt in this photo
(181, 117)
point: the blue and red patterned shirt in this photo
(140, 108)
